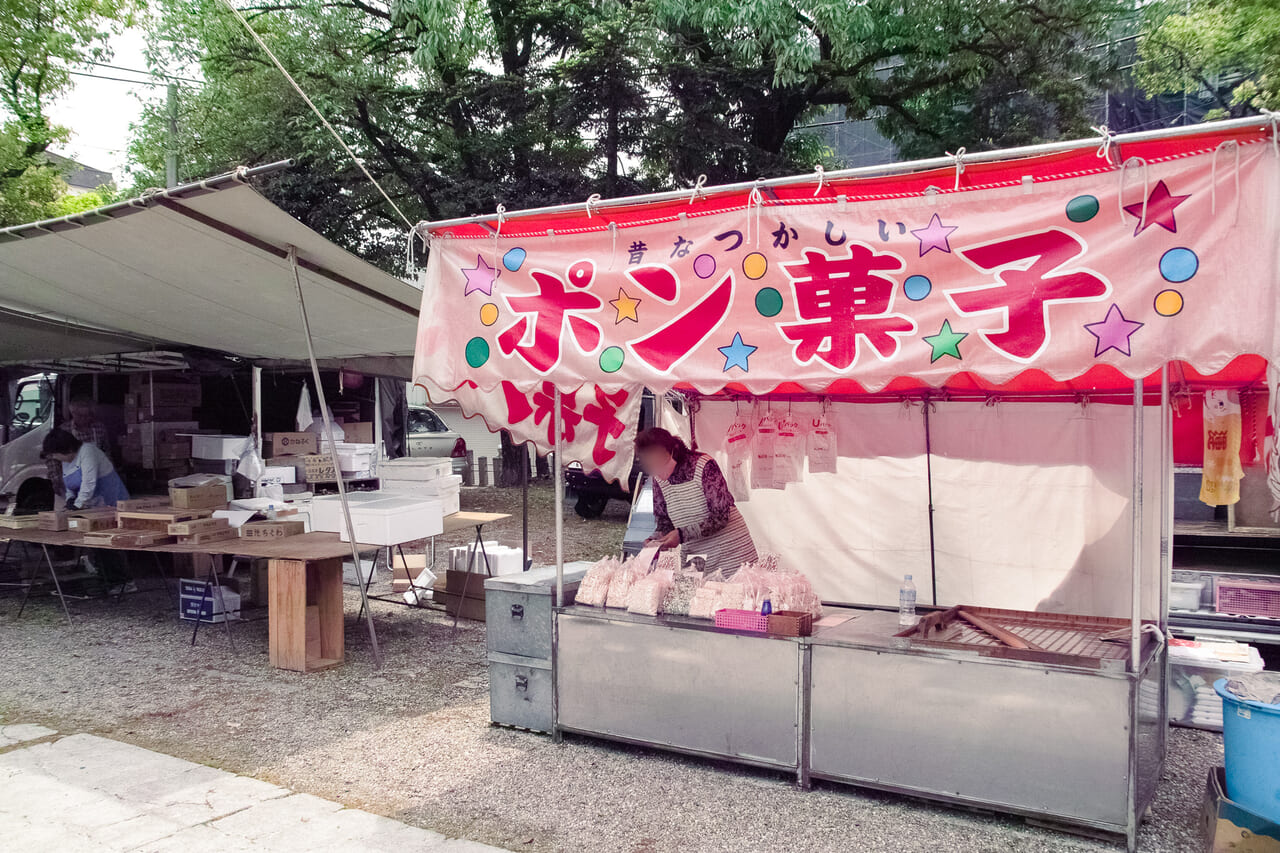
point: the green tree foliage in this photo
(459, 105)
(41, 42)
(1227, 48)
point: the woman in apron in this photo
(87, 474)
(692, 503)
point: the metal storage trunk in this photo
(518, 623)
(520, 692)
(518, 609)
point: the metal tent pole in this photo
(1135, 636)
(928, 472)
(256, 426)
(559, 491)
(1166, 496)
(333, 448)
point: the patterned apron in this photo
(727, 548)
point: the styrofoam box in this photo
(393, 521)
(217, 446)
(450, 499)
(416, 467)
(503, 559)
(326, 510)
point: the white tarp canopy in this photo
(202, 265)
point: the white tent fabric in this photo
(206, 266)
(1031, 505)
(25, 338)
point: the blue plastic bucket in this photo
(1251, 739)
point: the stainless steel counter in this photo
(1080, 746)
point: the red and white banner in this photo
(1056, 264)
(599, 426)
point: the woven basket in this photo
(790, 623)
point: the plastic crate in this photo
(742, 620)
(1245, 598)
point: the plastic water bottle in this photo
(907, 603)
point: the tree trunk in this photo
(515, 459)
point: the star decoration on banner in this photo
(934, 236)
(946, 342)
(737, 353)
(626, 307)
(479, 278)
(1113, 332)
(1160, 205)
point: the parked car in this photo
(429, 435)
(23, 484)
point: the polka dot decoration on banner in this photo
(477, 352)
(580, 274)
(768, 302)
(755, 265)
(611, 359)
(514, 258)
(488, 313)
(1179, 265)
(1082, 208)
(1168, 303)
(917, 287)
(704, 266)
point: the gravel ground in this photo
(412, 740)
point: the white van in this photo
(24, 486)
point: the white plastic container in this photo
(417, 468)
(1185, 595)
(394, 521)
(218, 446)
(326, 510)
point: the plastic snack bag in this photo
(594, 588)
(621, 583)
(647, 594)
(788, 451)
(738, 446)
(821, 443)
(680, 595)
(762, 459)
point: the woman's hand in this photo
(671, 540)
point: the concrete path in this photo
(86, 793)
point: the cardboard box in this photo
(472, 608)
(1229, 827)
(212, 496)
(218, 446)
(320, 468)
(357, 433)
(404, 567)
(290, 444)
(90, 523)
(278, 475)
(271, 529)
(148, 502)
(53, 520)
(157, 393)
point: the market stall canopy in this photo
(202, 265)
(1105, 260)
(30, 339)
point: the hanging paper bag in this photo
(762, 458)
(1220, 480)
(822, 446)
(788, 451)
(738, 446)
